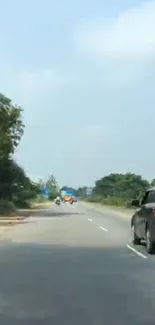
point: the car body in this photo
(143, 221)
(69, 199)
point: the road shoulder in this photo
(6, 222)
(120, 212)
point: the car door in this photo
(140, 219)
(148, 207)
(146, 211)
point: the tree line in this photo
(15, 186)
(116, 189)
(52, 186)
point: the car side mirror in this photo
(135, 203)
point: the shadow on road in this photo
(58, 214)
(49, 213)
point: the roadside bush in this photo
(113, 201)
(39, 199)
(119, 189)
(95, 198)
(7, 207)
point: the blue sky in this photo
(84, 72)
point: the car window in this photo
(145, 197)
(150, 198)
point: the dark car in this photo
(143, 221)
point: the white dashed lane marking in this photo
(104, 229)
(131, 248)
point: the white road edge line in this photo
(103, 228)
(90, 220)
(136, 252)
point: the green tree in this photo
(120, 187)
(41, 184)
(53, 187)
(14, 184)
(51, 182)
(11, 126)
(82, 192)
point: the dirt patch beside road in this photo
(34, 209)
(22, 214)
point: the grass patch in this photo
(40, 199)
(24, 208)
(111, 201)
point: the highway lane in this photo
(118, 227)
(63, 268)
(119, 224)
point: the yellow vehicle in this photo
(67, 198)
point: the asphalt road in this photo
(71, 265)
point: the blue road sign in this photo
(69, 192)
(46, 191)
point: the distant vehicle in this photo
(57, 201)
(68, 198)
(143, 221)
(72, 198)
